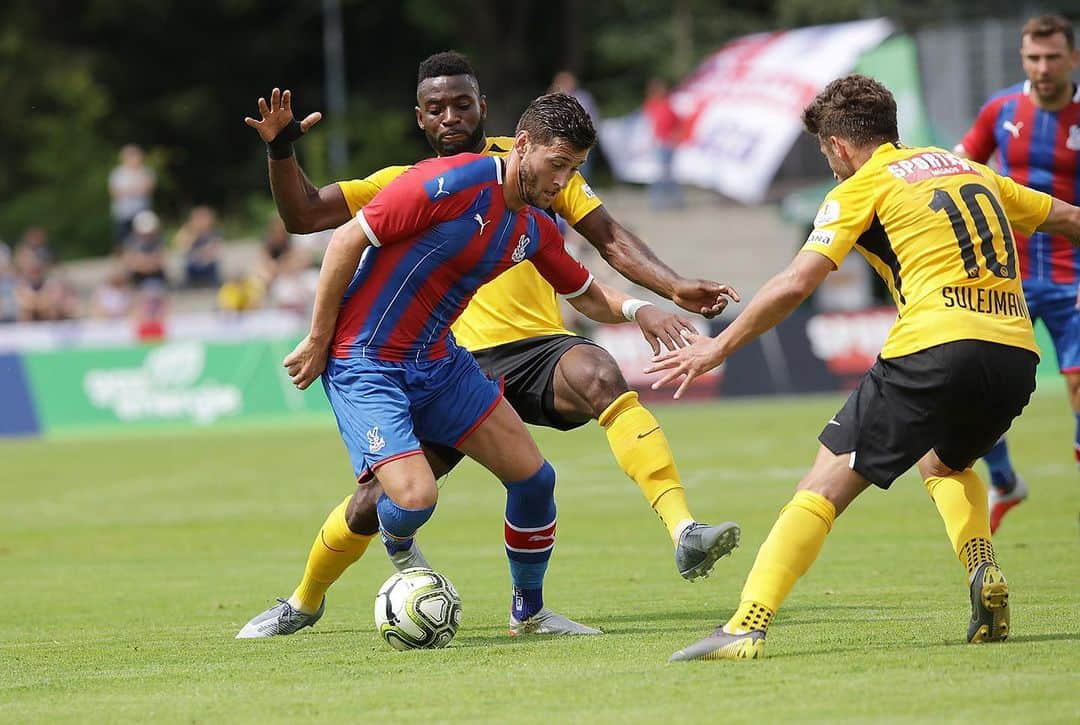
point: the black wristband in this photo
(281, 147)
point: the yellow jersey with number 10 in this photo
(937, 229)
(519, 303)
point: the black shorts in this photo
(957, 399)
(527, 368)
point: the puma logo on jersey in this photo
(480, 220)
(519, 250)
(1073, 141)
(1013, 128)
(441, 190)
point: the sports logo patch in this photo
(375, 441)
(1073, 142)
(823, 237)
(519, 250)
(828, 213)
(587, 190)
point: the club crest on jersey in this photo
(519, 250)
(1073, 142)
(375, 440)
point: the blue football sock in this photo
(397, 525)
(529, 534)
(1002, 475)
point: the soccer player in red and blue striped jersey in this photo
(392, 282)
(1035, 128)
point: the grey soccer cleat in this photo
(409, 558)
(548, 622)
(723, 646)
(282, 618)
(989, 605)
(700, 545)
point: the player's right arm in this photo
(307, 361)
(979, 142)
(1063, 219)
(303, 207)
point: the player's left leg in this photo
(502, 444)
(587, 383)
(791, 547)
(960, 497)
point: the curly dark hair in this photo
(447, 63)
(855, 108)
(558, 116)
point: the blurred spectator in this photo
(144, 254)
(112, 299)
(38, 297)
(151, 308)
(566, 82)
(200, 241)
(33, 249)
(665, 192)
(242, 292)
(9, 306)
(277, 242)
(294, 286)
(131, 188)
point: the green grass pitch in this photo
(129, 563)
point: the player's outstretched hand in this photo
(699, 357)
(277, 115)
(305, 363)
(703, 297)
(663, 327)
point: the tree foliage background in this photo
(80, 78)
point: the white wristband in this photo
(630, 308)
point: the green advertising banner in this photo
(189, 382)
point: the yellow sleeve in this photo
(359, 192)
(847, 212)
(1026, 208)
(576, 200)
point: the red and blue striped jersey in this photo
(438, 232)
(1039, 149)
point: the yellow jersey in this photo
(517, 304)
(936, 228)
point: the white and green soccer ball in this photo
(417, 608)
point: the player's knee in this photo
(931, 466)
(361, 515)
(599, 382)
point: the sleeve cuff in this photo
(580, 290)
(367, 229)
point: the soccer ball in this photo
(417, 608)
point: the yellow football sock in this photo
(335, 549)
(788, 551)
(642, 451)
(961, 500)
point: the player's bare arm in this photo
(305, 363)
(633, 259)
(303, 207)
(777, 299)
(1063, 219)
(605, 304)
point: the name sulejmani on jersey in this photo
(987, 301)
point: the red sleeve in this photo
(979, 142)
(406, 206)
(567, 275)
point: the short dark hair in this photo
(855, 108)
(558, 116)
(1043, 26)
(447, 63)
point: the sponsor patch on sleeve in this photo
(823, 237)
(828, 213)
